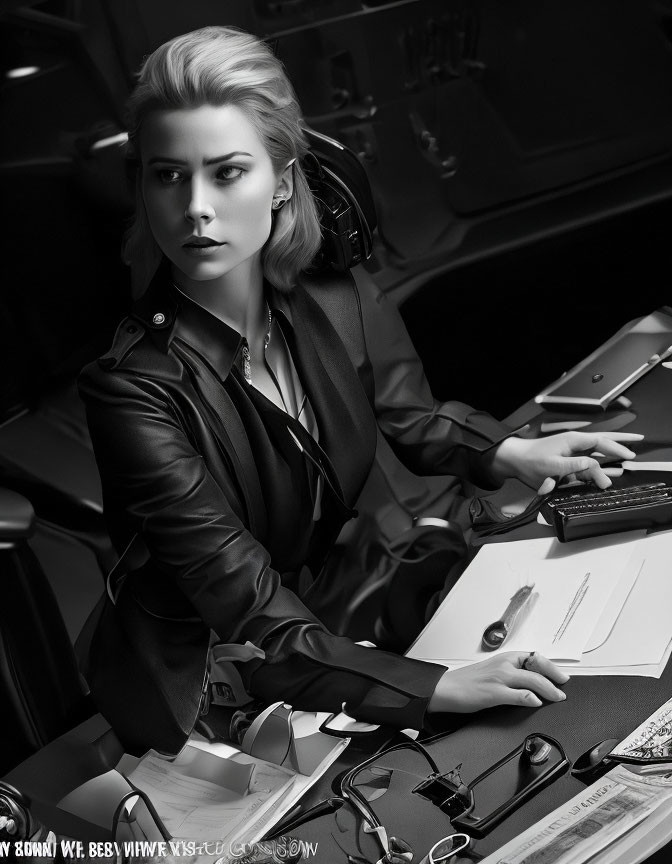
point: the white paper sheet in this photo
(212, 791)
(632, 635)
(214, 809)
(629, 465)
(641, 634)
(558, 571)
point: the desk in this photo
(596, 708)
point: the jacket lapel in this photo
(345, 419)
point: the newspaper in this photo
(591, 821)
(650, 741)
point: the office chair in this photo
(41, 690)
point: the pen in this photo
(495, 633)
(573, 606)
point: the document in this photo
(639, 642)
(573, 584)
(621, 629)
(595, 820)
(238, 790)
(214, 791)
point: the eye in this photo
(228, 173)
(169, 176)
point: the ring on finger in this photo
(525, 662)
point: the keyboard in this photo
(575, 515)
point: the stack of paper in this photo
(598, 606)
(214, 791)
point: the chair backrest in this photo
(347, 212)
(41, 692)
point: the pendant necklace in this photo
(245, 350)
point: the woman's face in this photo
(208, 186)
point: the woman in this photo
(230, 426)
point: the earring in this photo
(278, 201)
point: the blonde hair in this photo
(226, 66)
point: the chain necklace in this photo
(245, 350)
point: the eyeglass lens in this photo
(449, 846)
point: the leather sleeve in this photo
(156, 483)
(428, 436)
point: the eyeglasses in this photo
(445, 849)
(372, 824)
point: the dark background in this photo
(519, 155)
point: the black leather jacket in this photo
(205, 484)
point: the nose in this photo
(199, 207)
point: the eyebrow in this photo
(214, 161)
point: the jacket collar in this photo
(168, 314)
(347, 426)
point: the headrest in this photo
(343, 193)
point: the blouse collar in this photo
(168, 314)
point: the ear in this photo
(285, 185)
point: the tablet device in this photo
(599, 379)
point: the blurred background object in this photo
(487, 129)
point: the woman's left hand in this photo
(540, 462)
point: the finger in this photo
(538, 663)
(547, 486)
(613, 442)
(613, 471)
(586, 468)
(590, 438)
(596, 475)
(524, 679)
(612, 449)
(513, 696)
(622, 436)
(601, 443)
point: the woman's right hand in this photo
(510, 678)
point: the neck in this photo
(237, 299)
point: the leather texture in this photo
(171, 472)
(157, 665)
(17, 517)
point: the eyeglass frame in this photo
(429, 857)
(351, 794)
